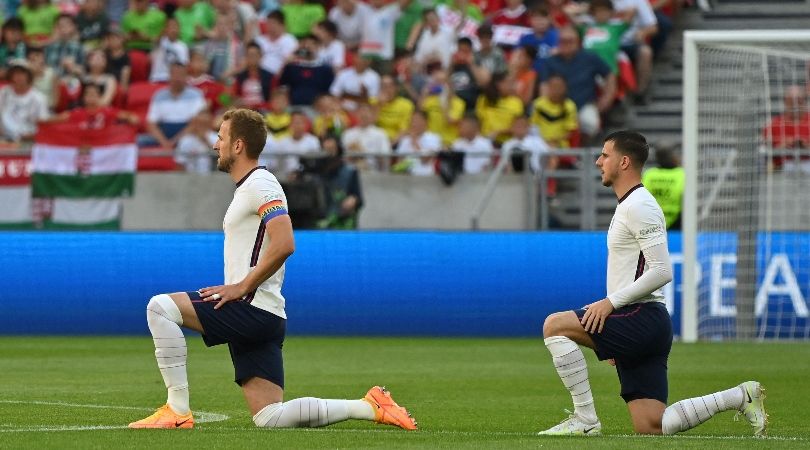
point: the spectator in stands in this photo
(92, 22)
(330, 118)
(514, 13)
(169, 51)
(300, 16)
(194, 146)
(97, 73)
(65, 52)
(409, 25)
(544, 37)
(253, 84)
(332, 51)
(522, 141)
(443, 108)
(241, 17)
(222, 49)
(418, 147)
(21, 106)
(342, 190)
(118, 64)
(299, 142)
(92, 114)
(478, 150)
(664, 10)
(555, 115)
(172, 108)
(602, 32)
(666, 183)
(195, 18)
(143, 25)
(490, 57)
(39, 20)
(357, 83)
(11, 43)
(306, 76)
(581, 70)
(277, 45)
(393, 110)
(497, 108)
(198, 77)
(791, 130)
(462, 16)
(278, 119)
(435, 43)
(464, 74)
(377, 41)
(45, 79)
(366, 137)
(522, 74)
(348, 16)
(643, 27)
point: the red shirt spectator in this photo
(514, 13)
(791, 129)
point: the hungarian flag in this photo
(85, 171)
(15, 192)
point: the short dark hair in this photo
(253, 44)
(485, 31)
(465, 41)
(276, 15)
(539, 10)
(608, 4)
(631, 144)
(247, 125)
(30, 50)
(14, 23)
(530, 51)
(329, 26)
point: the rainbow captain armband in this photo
(271, 210)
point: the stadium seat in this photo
(140, 66)
(155, 159)
(138, 98)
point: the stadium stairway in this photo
(660, 119)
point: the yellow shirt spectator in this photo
(334, 123)
(278, 124)
(555, 121)
(496, 119)
(393, 117)
(445, 127)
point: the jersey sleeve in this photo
(268, 199)
(647, 224)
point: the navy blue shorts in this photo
(254, 337)
(638, 337)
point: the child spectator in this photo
(142, 25)
(544, 37)
(305, 76)
(196, 19)
(65, 52)
(521, 72)
(170, 50)
(555, 115)
(21, 106)
(332, 50)
(277, 45)
(92, 22)
(11, 43)
(97, 74)
(419, 147)
(443, 108)
(393, 110)
(118, 64)
(330, 118)
(92, 114)
(478, 149)
(497, 108)
(490, 57)
(278, 118)
(253, 84)
(300, 16)
(522, 141)
(366, 137)
(464, 74)
(45, 79)
(435, 42)
(194, 146)
(357, 83)
(223, 50)
(39, 20)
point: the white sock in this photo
(570, 364)
(312, 412)
(689, 413)
(164, 321)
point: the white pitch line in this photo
(202, 417)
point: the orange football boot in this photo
(164, 417)
(386, 409)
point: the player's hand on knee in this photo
(595, 315)
(222, 294)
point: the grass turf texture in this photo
(474, 393)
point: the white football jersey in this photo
(637, 225)
(257, 199)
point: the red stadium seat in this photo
(140, 66)
(155, 159)
(138, 98)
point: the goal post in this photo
(746, 229)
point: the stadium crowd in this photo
(407, 78)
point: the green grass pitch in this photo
(69, 392)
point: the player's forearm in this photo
(268, 265)
(658, 275)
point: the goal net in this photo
(746, 218)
